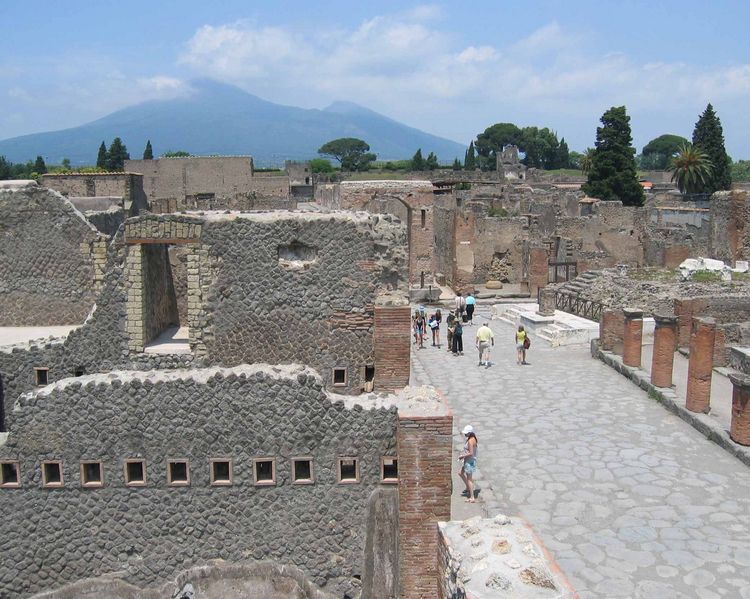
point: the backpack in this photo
(526, 342)
(459, 330)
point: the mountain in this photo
(216, 118)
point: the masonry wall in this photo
(729, 234)
(150, 533)
(127, 185)
(241, 202)
(51, 259)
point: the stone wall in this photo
(151, 532)
(730, 238)
(128, 186)
(51, 259)
(241, 202)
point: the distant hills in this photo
(222, 119)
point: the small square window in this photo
(264, 471)
(389, 469)
(79, 371)
(41, 376)
(221, 472)
(10, 475)
(178, 473)
(135, 473)
(92, 474)
(339, 376)
(302, 471)
(52, 474)
(348, 470)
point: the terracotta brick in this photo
(665, 343)
(611, 331)
(538, 269)
(740, 427)
(700, 366)
(632, 340)
(392, 341)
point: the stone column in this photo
(739, 430)
(632, 337)
(546, 302)
(665, 343)
(701, 364)
(611, 331)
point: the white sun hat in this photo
(468, 429)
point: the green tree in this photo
(148, 152)
(540, 147)
(587, 160)
(353, 154)
(741, 170)
(117, 155)
(39, 167)
(691, 169)
(493, 139)
(417, 162)
(457, 164)
(65, 164)
(563, 155)
(321, 165)
(708, 137)
(470, 161)
(658, 153)
(432, 162)
(613, 174)
(176, 154)
(101, 158)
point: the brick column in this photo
(392, 340)
(665, 343)
(632, 337)
(538, 269)
(611, 327)
(701, 364)
(546, 302)
(425, 459)
(739, 430)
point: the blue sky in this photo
(449, 68)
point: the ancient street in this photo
(629, 499)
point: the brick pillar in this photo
(683, 309)
(739, 430)
(701, 364)
(425, 459)
(632, 338)
(538, 269)
(546, 302)
(611, 329)
(665, 343)
(392, 340)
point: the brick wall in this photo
(425, 460)
(675, 255)
(538, 269)
(392, 346)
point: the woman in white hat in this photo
(468, 458)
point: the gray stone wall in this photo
(47, 259)
(54, 536)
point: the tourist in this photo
(485, 339)
(419, 325)
(522, 344)
(434, 324)
(460, 306)
(468, 459)
(470, 305)
(458, 338)
(451, 322)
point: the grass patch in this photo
(706, 276)
(666, 275)
(653, 394)
(500, 212)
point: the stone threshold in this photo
(669, 399)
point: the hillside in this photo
(221, 119)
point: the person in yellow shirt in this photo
(522, 344)
(485, 339)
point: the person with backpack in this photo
(522, 344)
(460, 306)
(450, 321)
(419, 326)
(468, 459)
(458, 338)
(434, 324)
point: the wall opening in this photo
(10, 475)
(302, 471)
(2, 406)
(41, 376)
(339, 377)
(52, 474)
(348, 470)
(423, 218)
(159, 299)
(264, 471)
(79, 371)
(135, 473)
(297, 255)
(92, 474)
(178, 473)
(221, 472)
(389, 469)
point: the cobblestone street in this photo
(629, 499)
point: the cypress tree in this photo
(613, 174)
(457, 164)
(432, 161)
(470, 161)
(563, 155)
(101, 158)
(39, 167)
(117, 155)
(708, 137)
(417, 162)
(148, 153)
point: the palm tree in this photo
(587, 160)
(691, 170)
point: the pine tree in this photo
(563, 155)
(417, 162)
(432, 162)
(457, 164)
(708, 137)
(613, 174)
(39, 167)
(101, 157)
(117, 155)
(470, 161)
(148, 153)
